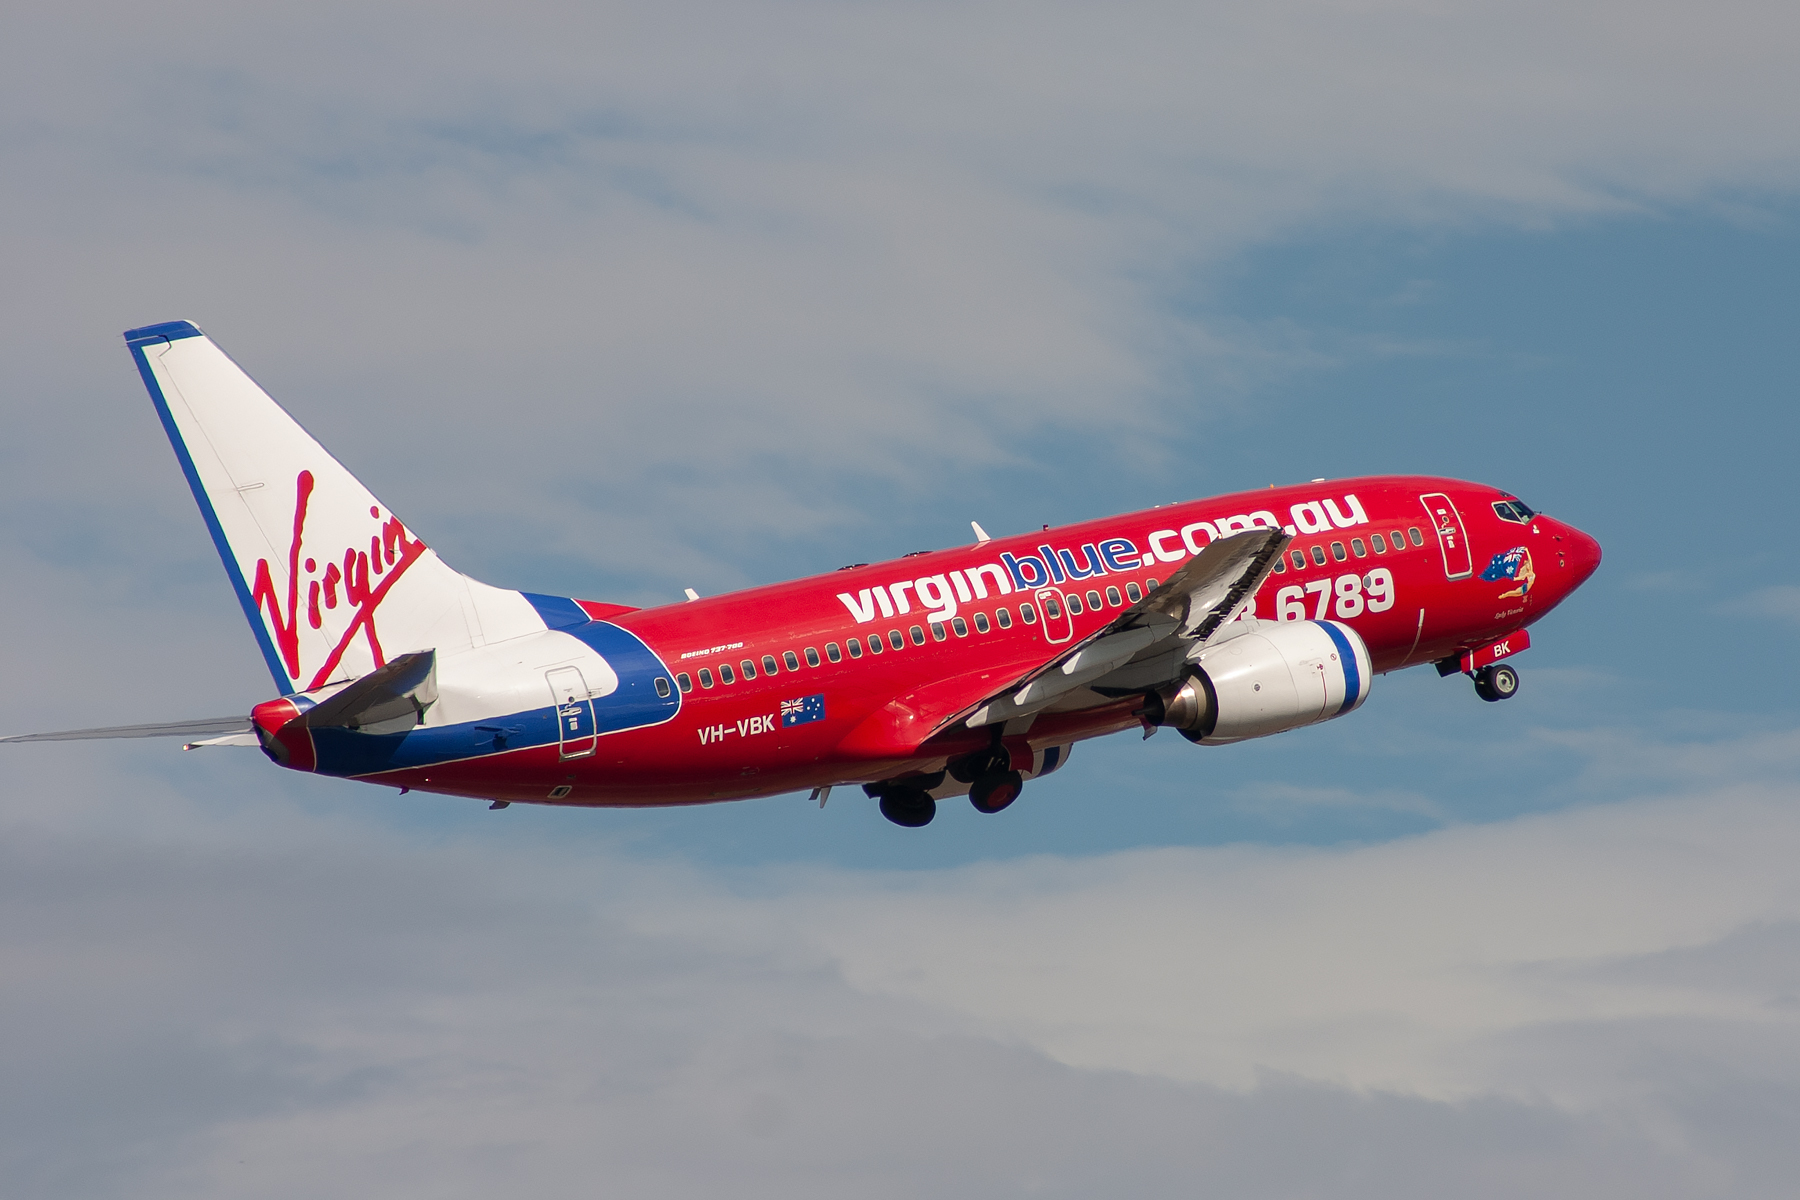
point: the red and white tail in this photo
(333, 582)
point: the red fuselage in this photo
(1403, 563)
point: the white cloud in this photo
(220, 997)
(1376, 968)
(548, 263)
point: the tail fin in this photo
(334, 583)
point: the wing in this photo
(1146, 647)
(386, 700)
(1147, 644)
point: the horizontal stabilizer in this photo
(386, 700)
(229, 739)
(210, 727)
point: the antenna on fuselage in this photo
(691, 593)
(981, 535)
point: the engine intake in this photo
(1278, 677)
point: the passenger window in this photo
(1004, 616)
(981, 623)
(812, 657)
(1337, 551)
(662, 687)
(748, 668)
(1073, 600)
(1112, 597)
(1029, 613)
(895, 639)
(1280, 565)
(832, 652)
(874, 643)
(769, 667)
(1379, 542)
(1414, 536)
(685, 682)
(706, 679)
(1093, 601)
(787, 656)
(961, 626)
(1318, 555)
(918, 636)
(1150, 584)
(1357, 548)
(1299, 559)
(725, 675)
(937, 631)
(1133, 592)
(854, 646)
(1052, 609)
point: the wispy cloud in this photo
(1781, 601)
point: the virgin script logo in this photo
(390, 552)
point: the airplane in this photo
(963, 671)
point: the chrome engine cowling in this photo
(1277, 677)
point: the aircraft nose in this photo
(1579, 552)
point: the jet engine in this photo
(1278, 676)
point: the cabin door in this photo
(1453, 540)
(574, 712)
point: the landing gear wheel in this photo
(1499, 682)
(904, 806)
(995, 790)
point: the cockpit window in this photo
(1513, 510)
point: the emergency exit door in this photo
(1059, 626)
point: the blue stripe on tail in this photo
(171, 331)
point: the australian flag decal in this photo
(802, 711)
(1505, 565)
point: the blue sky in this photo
(617, 302)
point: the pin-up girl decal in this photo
(1514, 564)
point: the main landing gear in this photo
(991, 782)
(908, 806)
(1498, 682)
(995, 790)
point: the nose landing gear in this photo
(1498, 682)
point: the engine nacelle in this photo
(1280, 676)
